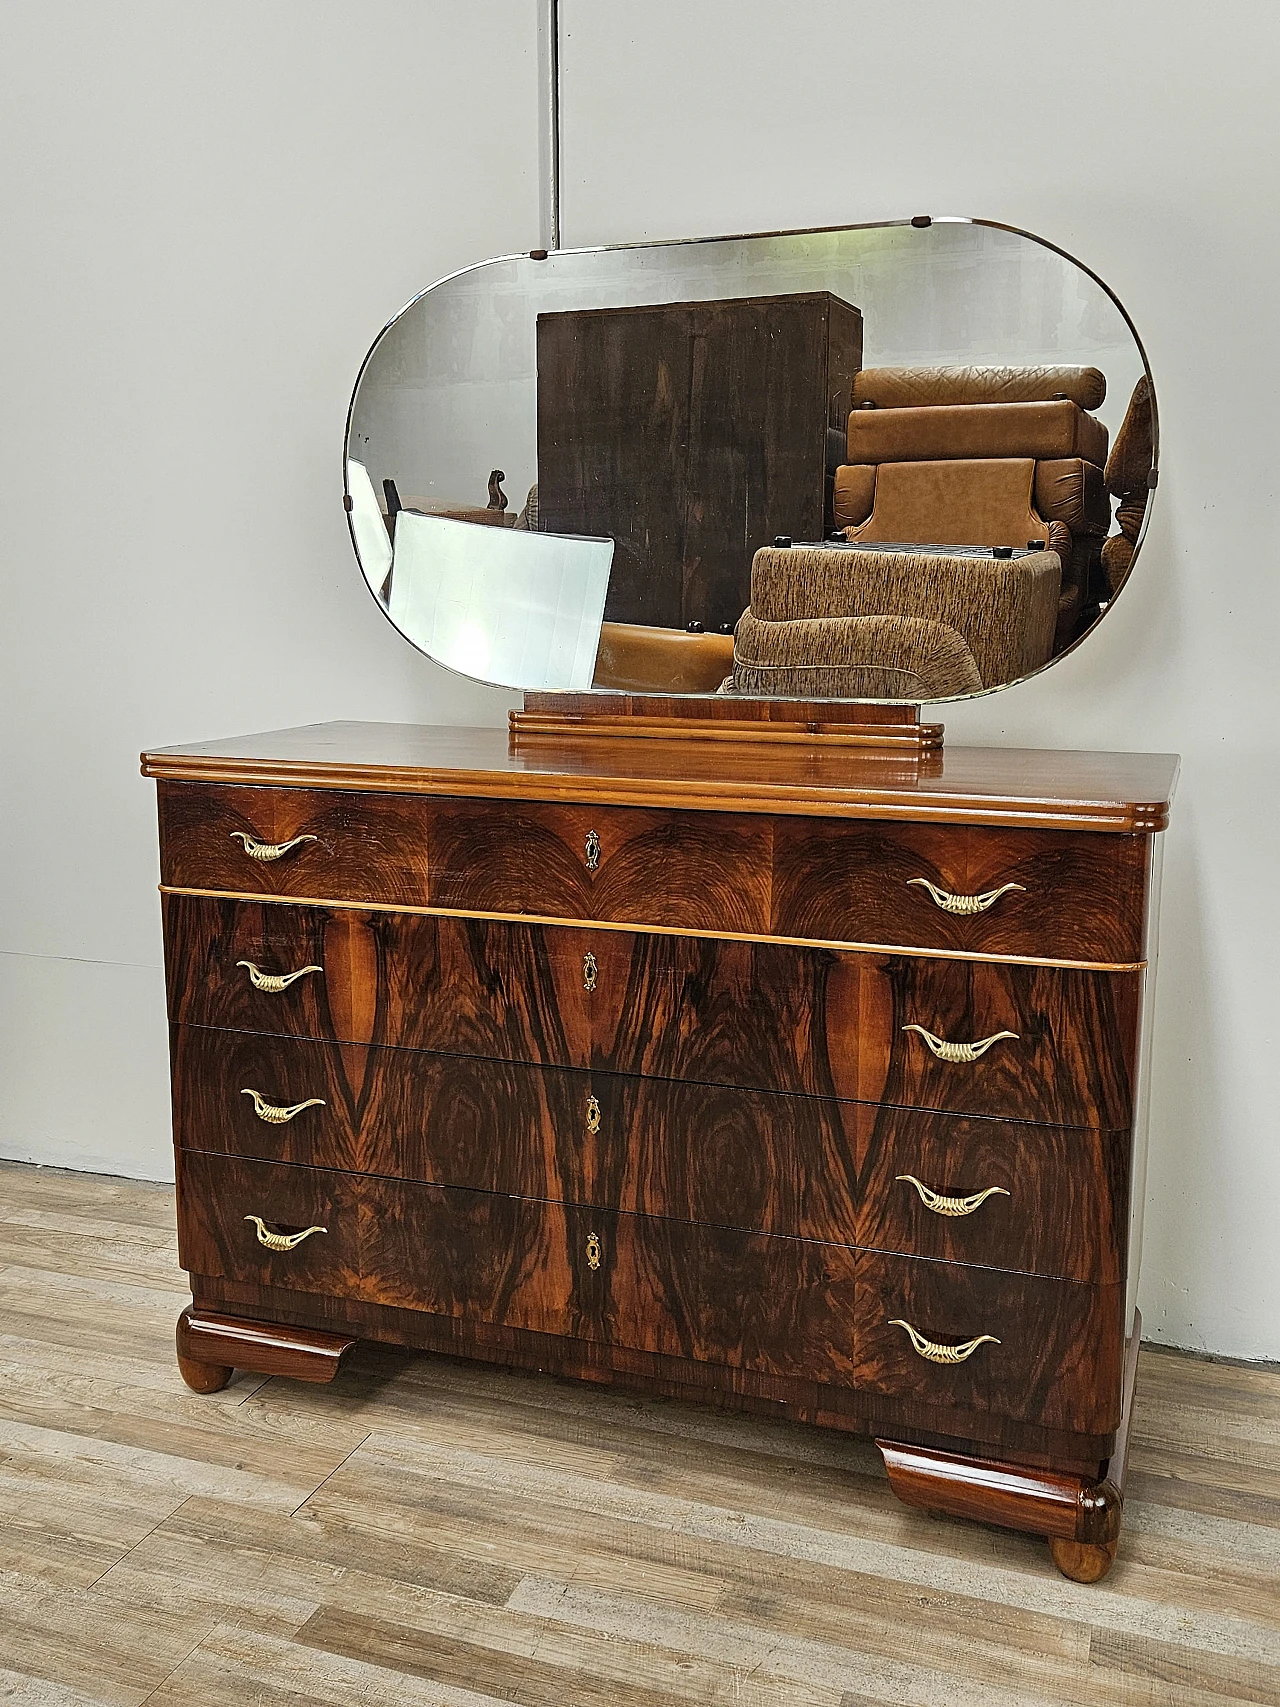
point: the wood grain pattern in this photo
(1080, 1515)
(210, 1346)
(363, 851)
(657, 868)
(728, 450)
(805, 1166)
(1060, 1352)
(719, 1295)
(1122, 793)
(757, 1015)
(1080, 898)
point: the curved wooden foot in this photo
(1082, 1561)
(1080, 1515)
(204, 1377)
(210, 1346)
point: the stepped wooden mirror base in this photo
(1078, 1515)
(878, 725)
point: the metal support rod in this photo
(549, 124)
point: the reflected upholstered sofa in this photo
(981, 456)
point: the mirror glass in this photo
(908, 462)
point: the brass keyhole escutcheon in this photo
(593, 1116)
(589, 970)
(591, 848)
(593, 1250)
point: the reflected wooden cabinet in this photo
(822, 1098)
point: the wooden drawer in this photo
(1058, 1357)
(757, 1015)
(458, 1120)
(1079, 896)
(719, 1295)
(802, 1166)
(787, 1307)
(318, 844)
(687, 870)
(1060, 1207)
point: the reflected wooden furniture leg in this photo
(1080, 1516)
(210, 1346)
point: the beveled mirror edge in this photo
(917, 221)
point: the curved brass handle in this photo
(264, 852)
(274, 982)
(276, 1114)
(965, 905)
(935, 1353)
(593, 1116)
(281, 1241)
(593, 1251)
(589, 971)
(591, 849)
(957, 1052)
(942, 1205)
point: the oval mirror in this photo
(908, 461)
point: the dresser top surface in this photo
(1124, 792)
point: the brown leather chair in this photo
(981, 456)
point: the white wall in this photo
(1142, 137)
(206, 211)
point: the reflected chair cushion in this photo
(908, 387)
(948, 503)
(1006, 609)
(928, 433)
(635, 658)
(878, 657)
(1128, 469)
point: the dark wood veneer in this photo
(753, 1014)
(619, 1056)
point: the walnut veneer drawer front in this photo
(687, 870)
(719, 1295)
(826, 1023)
(315, 843)
(1043, 894)
(1017, 1345)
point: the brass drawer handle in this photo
(593, 1116)
(276, 1114)
(264, 852)
(281, 1241)
(591, 848)
(589, 971)
(593, 1250)
(942, 1205)
(957, 1052)
(965, 905)
(935, 1353)
(274, 982)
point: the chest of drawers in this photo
(809, 1082)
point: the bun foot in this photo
(204, 1377)
(1082, 1561)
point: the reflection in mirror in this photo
(901, 462)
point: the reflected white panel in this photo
(373, 543)
(519, 609)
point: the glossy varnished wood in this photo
(1079, 1515)
(1078, 897)
(758, 1015)
(812, 1167)
(1114, 792)
(210, 1346)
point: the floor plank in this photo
(431, 1533)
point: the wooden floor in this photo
(425, 1531)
